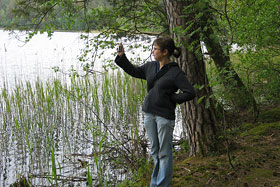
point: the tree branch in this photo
(227, 18)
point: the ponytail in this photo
(177, 52)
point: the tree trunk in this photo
(241, 98)
(198, 119)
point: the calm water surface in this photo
(21, 61)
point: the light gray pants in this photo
(160, 134)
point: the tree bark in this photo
(198, 120)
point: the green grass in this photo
(270, 115)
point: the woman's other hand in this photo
(120, 50)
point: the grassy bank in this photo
(254, 158)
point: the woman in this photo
(164, 78)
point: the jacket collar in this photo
(171, 64)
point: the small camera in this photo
(120, 48)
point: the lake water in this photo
(33, 61)
(21, 61)
(28, 61)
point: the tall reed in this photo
(55, 126)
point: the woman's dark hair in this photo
(168, 43)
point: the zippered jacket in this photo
(162, 97)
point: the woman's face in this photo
(158, 54)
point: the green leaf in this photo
(200, 99)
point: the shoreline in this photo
(73, 31)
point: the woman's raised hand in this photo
(120, 50)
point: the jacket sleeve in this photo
(135, 71)
(187, 89)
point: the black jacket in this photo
(161, 99)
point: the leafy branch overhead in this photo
(122, 17)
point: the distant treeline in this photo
(7, 18)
